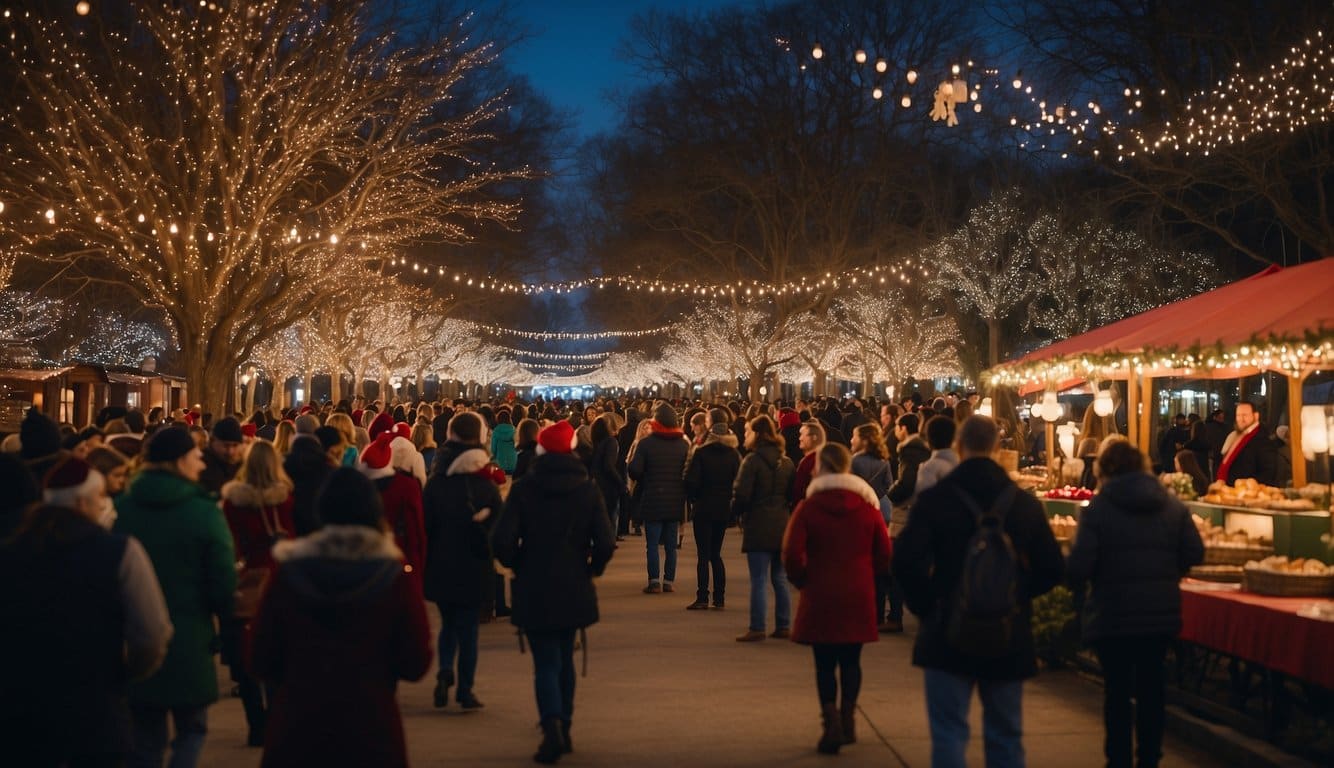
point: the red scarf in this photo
(1232, 455)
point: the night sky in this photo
(571, 54)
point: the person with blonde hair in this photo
(348, 432)
(258, 506)
(423, 439)
(282, 439)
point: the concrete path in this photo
(670, 687)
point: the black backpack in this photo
(981, 615)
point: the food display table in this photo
(1263, 630)
(1295, 534)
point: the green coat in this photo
(187, 539)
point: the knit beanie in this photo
(666, 416)
(38, 435)
(169, 444)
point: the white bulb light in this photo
(817, 52)
(860, 56)
(1051, 408)
(1102, 404)
(906, 102)
(984, 408)
(50, 214)
(881, 65)
(877, 93)
(82, 8)
(912, 76)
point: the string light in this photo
(572, 335)
(599, 357)
(882, 274)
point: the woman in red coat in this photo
(836, 543)
(258, 508)
(341, 624)
(400, 498)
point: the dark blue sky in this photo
(571, 54)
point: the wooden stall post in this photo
(1146, 414)
(1132, 409)
(1295, 429)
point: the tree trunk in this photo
(209, 374)
(309, 382)
(993, 342)
(336, 386)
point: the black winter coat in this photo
(603, 468)
(709, 478)
(659, 467)
(1257, 459)
(791, 439)
(556, 536)
(928, 562)
(759, 498)
(458, 555)
(308, 467)
(1135, 542)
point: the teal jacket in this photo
(186, 537)
(502, 447)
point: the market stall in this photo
(1280, 320)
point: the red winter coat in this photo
(836, 543)
(340, 625)
(401, 495)
(257, 519)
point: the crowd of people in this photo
(138, 548)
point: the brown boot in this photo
(849, 714)
(832, 738)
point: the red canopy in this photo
(1278, 303)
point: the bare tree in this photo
(238, 165)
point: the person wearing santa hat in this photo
(406, 456)
(556, 536)
(401, 495)
(186, 537)
(461, 502)
(92, 616)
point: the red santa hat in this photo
(306, 409)
(557, 438)
(377, 459)
(403, 430)
(249, 430)
(383, 423)
(69, 480)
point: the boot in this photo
(553, 744)
(849, 714)
(440, 696)
(565, 733)
(832, 738)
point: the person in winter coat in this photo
(258, 508)
(461, 505)
(658, 466)
(870, 460)
(84, 615)
(929, 558)
(557, 538)
(835, 546)
(341, 601)
(503, 443)
(912, 451)
(525, 446)
(940, 438)
(400, 499)
(760, 502)
(186, 537)
(39, 443)
(709, 478)
(307, 465)
(1135, 542)
(222, 458)
(602, 465)
(810, 438)
(789, 426)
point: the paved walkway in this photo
(670, 687)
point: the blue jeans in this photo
(553, 672)
(948, 697)
(768, 564)
(458, 632)
(661, 532)
(150, 736)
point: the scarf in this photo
(1231, 456)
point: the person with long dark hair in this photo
(760, 502)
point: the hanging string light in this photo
(599, 357)
(572, 336)
(905, 273)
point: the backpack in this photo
(981, 615)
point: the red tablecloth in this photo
(1264, 630)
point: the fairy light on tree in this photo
(900, 334)
(287, 143)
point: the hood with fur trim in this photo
(241, 494)
(728, 440)
(469, 461)
(339, 567)
(843, 482)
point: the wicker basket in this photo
(1287, 584)
(1222, 577)
(1235, 555)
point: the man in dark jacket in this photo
(223, 456)
(1135, 542)
(556, 536)
(709, 479)
(853, 416)
(625, 437)
(1248, 451)
(459, 505)
(308, 466)
(658, 467)
(910, 451)
(929, 561)
(85, 615)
